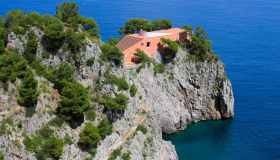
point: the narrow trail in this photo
(139, 119)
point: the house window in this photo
(148, 44)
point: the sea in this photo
(246, 36)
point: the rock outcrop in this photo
(186, 92)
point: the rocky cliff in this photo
(186, 92)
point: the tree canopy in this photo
(28, 92)
(89, 137)
(68, 12)
(137, 24)
(74, 102)
(111, 54)
(168, 49)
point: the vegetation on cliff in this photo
(42, 60)
(137, 24)
(44, 144)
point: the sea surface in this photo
(246, 36)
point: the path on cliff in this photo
(139, 119)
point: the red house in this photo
(148, 42)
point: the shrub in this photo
(31, 47)
(19, 22)
(119, 102)
(67, 12)
(15, 22)
(2, 39)
(133, 90)
(1, 155)
(161, 24)
(89, 137)
(54, 35)
(64, 72)
(90, 115)
(90, 61)
(90, 26)
(111, 54)
(105, 128)
(56, 122)
(137, 24)
(42, 70)
(168, 50)
(28, 91)
(4, 125)
(12, 66)
(126, 156)
(74, 41)
(141, 57)
(74, 102)
(52, 148)
(121, 83)
(187, 27)
(141, 128)
(44, 144)
(116, 153)
(113, 41)
(200, 47)
(159, 68)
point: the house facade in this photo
(148, 42)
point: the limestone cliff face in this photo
(186, 92)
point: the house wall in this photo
(149, 50)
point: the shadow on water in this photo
(203, 140)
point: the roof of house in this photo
(158, 33)
(129, 40)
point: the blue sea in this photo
(246, 36)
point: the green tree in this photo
(136, 25)
(159, 68)
(54, 35)
(187, 27)
(200, 47)
(2, 39)
(200, 33)
(68, 12)
(75, 41)
(168, 50)
(28, 90)
(105, 128)
(1, 155)
(133, 90)
(121, 83)
(119, 102)
(64, 72)
(44, 144)
(89, 137)
(90, 26)
(110, 53)
(74, 102)
(15, 21)
(12, 66)
(31, 47)
(54, 147)
(141, 57)
(161, 24)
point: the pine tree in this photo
(28, 92)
